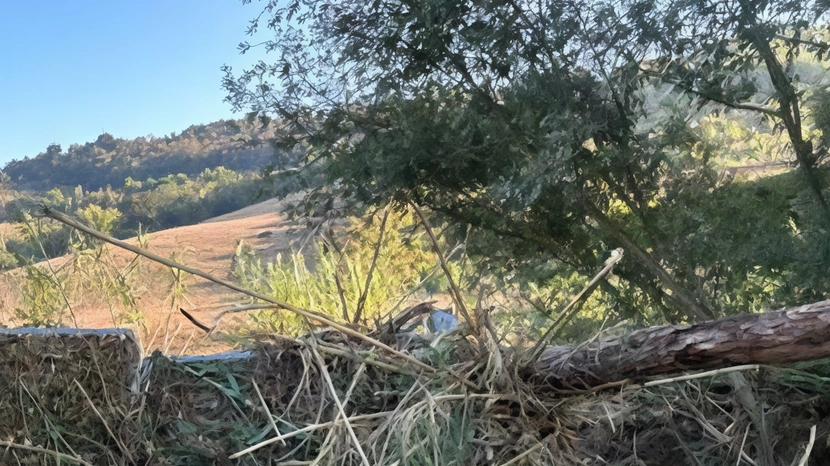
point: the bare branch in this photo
(793, 40)
(736, 105)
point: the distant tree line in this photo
(109, 161)
(150, 205)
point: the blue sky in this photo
(72, 70)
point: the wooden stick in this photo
(774, 337)
(361, 301)
(456, 293)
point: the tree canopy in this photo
(563, 129)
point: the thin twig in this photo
(812, 441)
(700, 375)
(723, 101)
(598, 388)
(457, 297)
(369, 361)
(361, 301)
(564, 315)
(526, 453)
(243, 308)
(743, 443)
(51, 213)
(328, 238)
(265, 408)
(341, 293)
(819, 45)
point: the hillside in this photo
(109, 161)
(124, 186)
(208, 246)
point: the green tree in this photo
(535, 122)
(103, 220)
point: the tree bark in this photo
(788, 335)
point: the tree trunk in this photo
(787, 335)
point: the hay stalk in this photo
(118, 442)
(523, 455)
(266, 409)
(700, 375)
(341, 411)
(308, 429)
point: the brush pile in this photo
(66, 396)
(71, 397)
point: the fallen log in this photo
(775, 337)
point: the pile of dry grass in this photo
(69, 398)
(63, 396)
(347, 409)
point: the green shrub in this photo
(312, 283)
(43, 301)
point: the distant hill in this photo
(235, 144)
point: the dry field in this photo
(208, 246)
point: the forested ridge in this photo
(236, 145)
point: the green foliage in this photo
(7, 259)
(41, 238)
(820, 112)
(89, 275)
(175, 200)
(117, 286)
(560, 131)
(313, 283)
(103, 220)
(170, 201)
(43, 299)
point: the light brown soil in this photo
(208, 246)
